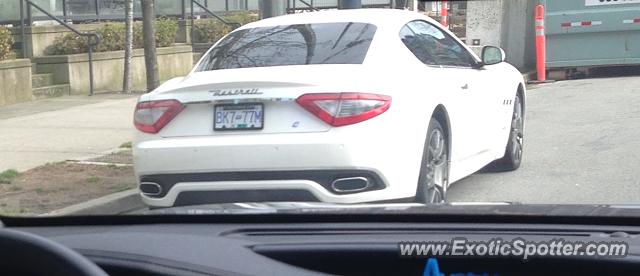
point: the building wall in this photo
(108, 68)
(484, 22)
(15, 81)
(508, 24)
(518, 32)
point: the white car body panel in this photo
(391, 144)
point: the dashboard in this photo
(317, 245)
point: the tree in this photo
(148, 33)
(128, 45)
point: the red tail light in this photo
(152, 116)
(341, 109)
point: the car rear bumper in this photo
(276, 167)
(194, 193)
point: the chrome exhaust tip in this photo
(350, 184)
(150, 188)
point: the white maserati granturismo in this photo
(346, 106)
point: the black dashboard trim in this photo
(149, 263)
(266, 247)
(345, 217)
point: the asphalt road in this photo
(582, 146)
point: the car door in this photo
(499, 94)
(454, 64)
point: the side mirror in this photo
(492, 55)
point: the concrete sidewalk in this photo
(57, 129)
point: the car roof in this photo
(378, 17)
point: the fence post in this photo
(540, 44)
(64, 11)
(192, 23)
(97, 10)
(22, 33)
(183, 10)
(29, 16)
(90, 67)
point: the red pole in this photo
(540, 44)
(444, 13)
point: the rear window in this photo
(321, 43)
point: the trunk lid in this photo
(275, 88)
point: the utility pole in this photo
(128, 46)
(148, 31)
(349, 4)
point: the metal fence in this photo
(97, 10)
(92, 38)
(298, 5)
(113, 10)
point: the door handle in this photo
(465, 86)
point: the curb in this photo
(529, 76)
(97, 154)
(113, 204)
(101, 163)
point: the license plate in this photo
(238, 116)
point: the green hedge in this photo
(113, 37)
(6, 42)
(166, 31)
(211, 30)
(242, 17)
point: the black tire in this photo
(513, 153)
(434, 168)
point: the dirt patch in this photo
(54, 186)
